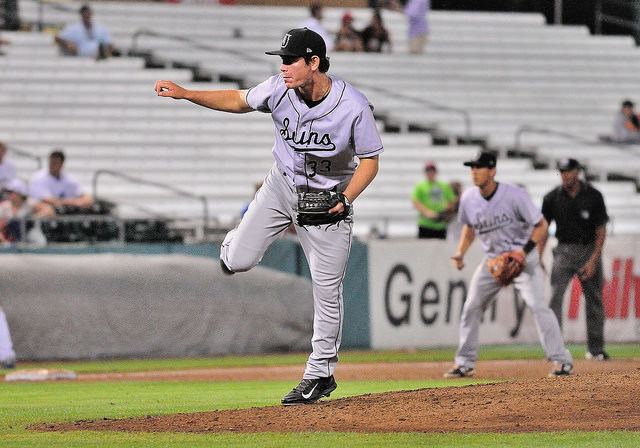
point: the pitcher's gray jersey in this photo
(504, 222)
(316, 146)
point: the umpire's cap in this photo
(568, 164)
(301, 42)
(484, 159)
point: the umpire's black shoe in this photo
(310, 391)
(597, 356)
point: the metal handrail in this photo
(431, 104)
(601, 17)
(195, 44)
(60, 6)
(25, 154)
(174, 190)
(528, 129)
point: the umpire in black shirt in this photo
(581, 219)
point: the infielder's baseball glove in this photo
(313, 208)
(506, 266)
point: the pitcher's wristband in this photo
(529, 246)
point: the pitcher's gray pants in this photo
(568, 259)
(325, 247)
(530, 285)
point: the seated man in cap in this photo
(505, 220)
(434, 200)
(13, 209)
(85, 38)
(581, 220)
(626, 127)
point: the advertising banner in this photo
(416, 296)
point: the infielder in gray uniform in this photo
(504, 219)
(325, 140)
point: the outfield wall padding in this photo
(105, 305)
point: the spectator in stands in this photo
(7, 170)
(375, 36)
(626, 127)
(3, 42)
(314, 23)
(416, 12)
(348, 38)
(13, 209)
(55, 191)
(434, 200)
(85, 38)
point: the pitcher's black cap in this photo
(301, 42)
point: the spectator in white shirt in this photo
(85, 38)
(314, 23)
(7, 170)
(55, 190)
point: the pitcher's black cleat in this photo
(310, 391)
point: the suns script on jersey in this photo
(493, 223)
(311, 141)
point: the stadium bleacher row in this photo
(504, 70)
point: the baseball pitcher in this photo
(326, 153)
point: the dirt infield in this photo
(601, 396)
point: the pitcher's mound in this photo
(591, 402)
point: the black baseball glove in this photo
(313, 208)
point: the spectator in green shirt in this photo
(434, 200)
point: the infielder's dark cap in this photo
(627, 103)
(568, 164)
(484, 159)
(301, 42)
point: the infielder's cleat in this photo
(602, 356)
(460, 372)
(310, 391)
(563, 369)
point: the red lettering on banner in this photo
(636, 288)
(626, 288)
(616, 294)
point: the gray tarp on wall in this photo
(88, 306)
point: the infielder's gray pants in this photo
(568, 259)
(530, 285)
(326, 249)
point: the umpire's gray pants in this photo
(568, 259)
(325, 247)
(530, 285)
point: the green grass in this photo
(490, 352)
(22, 404)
